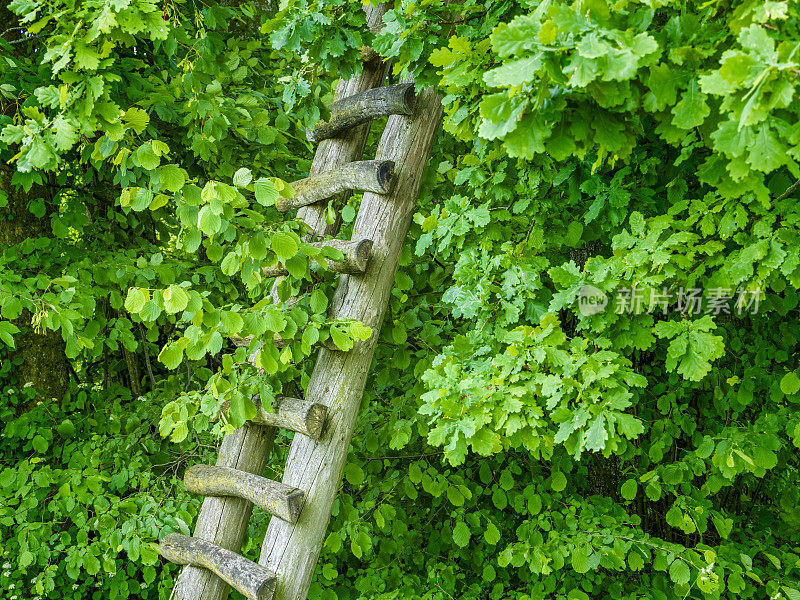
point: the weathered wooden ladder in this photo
(301, 504)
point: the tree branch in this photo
(788, 191)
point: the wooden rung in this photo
(251, 579)
(359, 108)
(356, 256)
(294, 414)
(279, 499)
(364, 175)
(280, 342)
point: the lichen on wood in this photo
(293, 414)
(283, 501)
(360, 108)
(356, 255)
(363, 175)
(250, 579)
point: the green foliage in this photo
(511, 445)
(80, 513)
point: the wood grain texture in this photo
(278, 499)
(252, 580)
(338, 381)
(224, 521)
(362, 175)
(334, 153)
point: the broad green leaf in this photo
(692, 109)
(629, 489)
(679, 571)
(265, 191)
(596, 436)
(150, 311)
(171, 355)
(242, 177)
(26, 559)
(580, 560)
(40, 444)
(461, 534)
(558, 481)
(231, 321)
(230, 264)
(342, 341)
(173, 178)
(354, 474)
(137, 119)
(208, 221)
(284, 245)
(318, 301)
(146, 157)
(766, 152)
(135, 300)
(491, 534)
(790, 383)
(175, 299)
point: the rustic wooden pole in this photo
(224, 521)
(363, 175)
(338, 381)
(279, 499)
(252, 580)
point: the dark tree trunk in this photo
(44, 363)
(42, 353)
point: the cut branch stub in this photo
(360, 108)
(363, 175)
(356, 256)
(283, 501)
(251, 579)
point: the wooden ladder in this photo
(301, 504)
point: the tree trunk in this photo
(44, 363)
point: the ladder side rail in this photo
(338, 380)
(224, 520)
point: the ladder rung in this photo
(356, 256)
(279, 499)
(280, 342)
(294, 414)
(359, 108)
(363, 175)
(251, 579)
